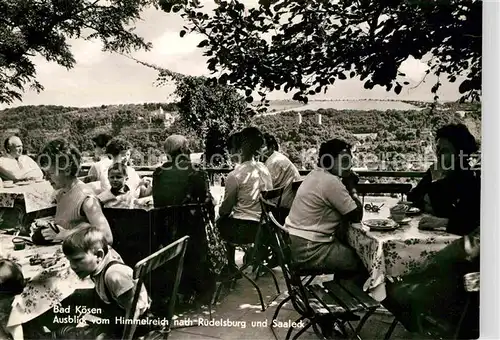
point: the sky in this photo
(104, 78)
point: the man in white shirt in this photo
(15, 166)
(323, 207)
(283, 173)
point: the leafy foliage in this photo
(209, 108)
(43, 27)
(307, 46)
(388, 134)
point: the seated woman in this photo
(76, 203)
(240, 210)
(450, 190)
(179, 182)
(119, 149)
(323, 207)
(436, 290)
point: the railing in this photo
(212, 172)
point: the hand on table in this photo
(50, 234)
(433, 223)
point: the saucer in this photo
(405, 220)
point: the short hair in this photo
(101, 140)
(11, 278)
(331, 149)
(6, 143)
(251, 140)
(459, 136)
(61, 153)
(117, 145)
(84, 240)
(119, 167)
(271, 141)
(175, 145)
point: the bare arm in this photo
(92, 210)
(230, 196)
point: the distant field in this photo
(364, 105)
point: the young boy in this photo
(89, 255)
(119, 194)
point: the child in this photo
(11, 284)
(89, 255)
(119, 194)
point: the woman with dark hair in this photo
(450, 190)
(240, 210)
(76, 204)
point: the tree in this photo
(43, 27)
(211, 109)
(307, 46)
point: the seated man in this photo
(15, 166)
(323, 207)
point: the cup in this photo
(471, 282)
(398, 212)
(19, 244)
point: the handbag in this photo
(216, 248)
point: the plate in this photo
(39, 181)
(8, 185)
(23, 183)
(413, 211)
(381, 224)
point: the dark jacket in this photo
(456, 197)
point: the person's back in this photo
(174, 184)
(250, 178)
(319, 206)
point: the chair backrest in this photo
(296, 185)
(280, 245)
(270, 200)
(174, 221)
(176, 250)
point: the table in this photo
(36, 196)
(46, 287)
(393, 253)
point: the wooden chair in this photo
(252, 257)
(172, 222)
(333, 301)
(296, 185)
(144, 267)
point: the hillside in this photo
(378, 135)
